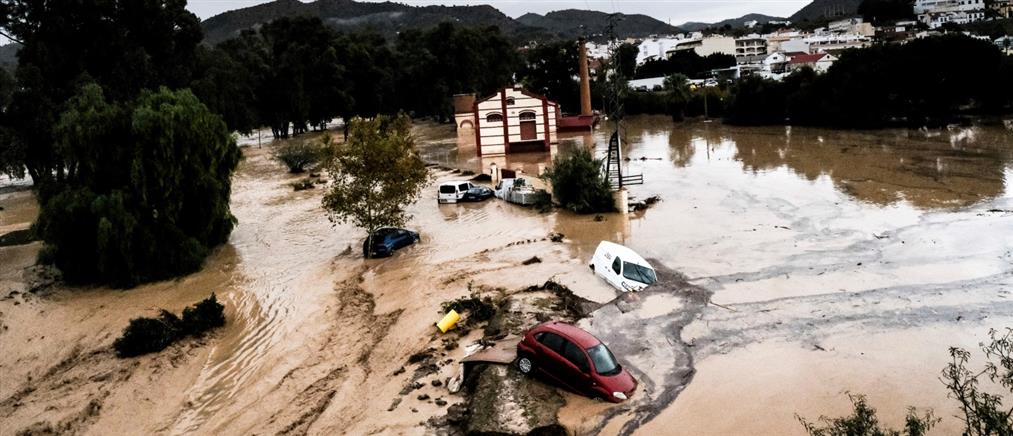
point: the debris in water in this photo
(302, 185)
(448, 321)
(556, 237)
(599, 218)
(532, 260)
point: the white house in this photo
(510, 121)
(819, 62)
(935, 13)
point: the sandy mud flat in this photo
(799, 265)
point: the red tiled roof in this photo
(807, 58)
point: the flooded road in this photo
(804, 263)
(838, 261)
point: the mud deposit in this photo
(797, 264)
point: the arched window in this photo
(494, 118)
(527, 116)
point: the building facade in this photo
(510, 121)
(752, 45)
(936, 13)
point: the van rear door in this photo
(447, 194)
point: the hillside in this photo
(386, 18)
(571, 23)
(826, 9)
(733, 22)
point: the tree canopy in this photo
(376, 174)
(147, 188)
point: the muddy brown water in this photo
(834, 261)
(810, 240)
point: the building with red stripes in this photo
(512, 120)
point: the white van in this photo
(460, 191)
(622, 268)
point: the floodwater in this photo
(803, 263)
(839, 261)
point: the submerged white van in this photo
(622, 268)
(461, 191)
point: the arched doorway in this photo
(529, 129)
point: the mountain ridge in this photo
(693, 26)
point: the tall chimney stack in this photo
(585, 79)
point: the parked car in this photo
(575, 359)
(460, 191)
(622, 268)
(388, 239)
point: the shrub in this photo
(149, 335)
(579, 184)
(863, 422)
(299, 156)
(203, 316)
(984, 413)
(145, 335)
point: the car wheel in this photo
(525, 365)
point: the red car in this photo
(575, 359)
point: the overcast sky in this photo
(672, 11)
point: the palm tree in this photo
(677, 87)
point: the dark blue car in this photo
(388, 239)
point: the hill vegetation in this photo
(389, 19)
(731, 23)
(823, 10)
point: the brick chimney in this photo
(585, 79)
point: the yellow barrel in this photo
(448, 321)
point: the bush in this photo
(299, 156)
(149, 335)
(146, 335)
(579, 184)
(203, 316)
(863, 422)
(984, 413)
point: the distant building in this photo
(854, 26)
(509, 121)
(775, 63)
(936, 13)
(825, 43)
(648, 84)
(819, 62)
(774, 40)
(1005, 43)
(705, 46)
(751, 45)
(1003, 8)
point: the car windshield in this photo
(604, 362)
(448, 189)
(639, 273)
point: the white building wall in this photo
(716, 44)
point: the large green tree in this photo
(124, 46)
(146, 191)
(377, 173)
(551, 70)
